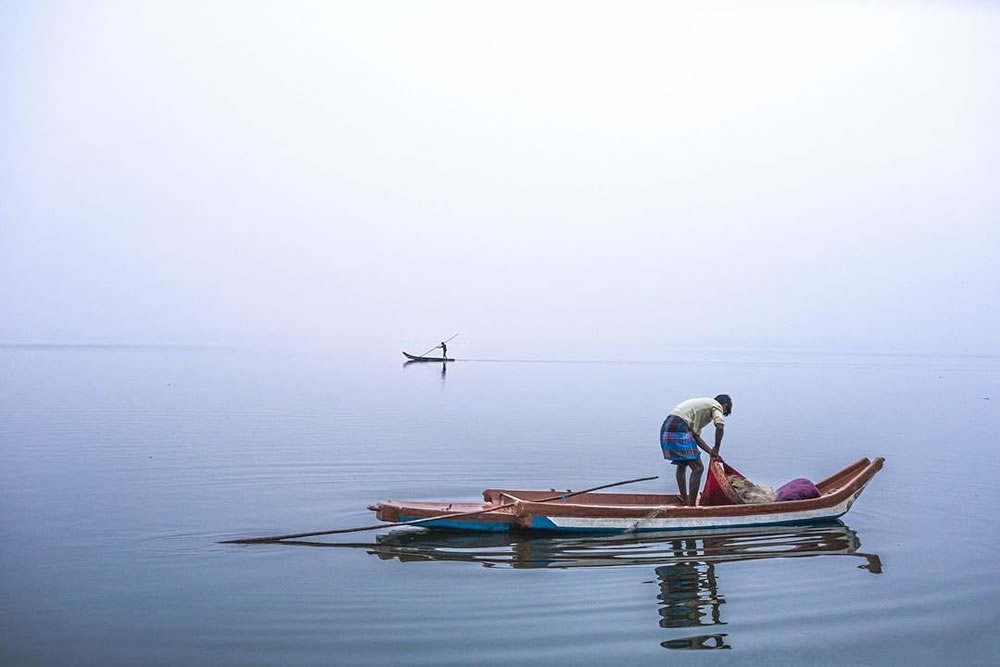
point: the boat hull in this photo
(413, 357)
(553, 522)
(514, 510)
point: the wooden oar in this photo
(415, 522)
(436, 347)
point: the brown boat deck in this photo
(500, 496)
(391, 511)
(832, 488)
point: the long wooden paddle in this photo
(436, 347)
(415, 522)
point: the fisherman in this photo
(444, 350)
(680, 439)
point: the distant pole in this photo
(436, 346)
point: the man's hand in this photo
(701, 443)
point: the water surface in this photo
(122, 467)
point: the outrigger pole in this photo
(416, 522)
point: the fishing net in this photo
(718, 487)
(725, 485)
(750, 492)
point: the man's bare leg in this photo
(696, 469)
(682, 481)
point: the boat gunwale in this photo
(391, 511)
(851, 486)
(414, 357)
(843, 486)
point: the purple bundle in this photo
(797, 489)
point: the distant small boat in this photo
(505, 509)
(413, 357)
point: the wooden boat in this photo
(506, 510)
(413, 357)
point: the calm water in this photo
(121, 468)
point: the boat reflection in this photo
(685, 562)
(655, 548)
(444, 366)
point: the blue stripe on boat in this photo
(487, 526)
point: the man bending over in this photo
(680, 439)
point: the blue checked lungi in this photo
(677, 442)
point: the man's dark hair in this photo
(725, 400)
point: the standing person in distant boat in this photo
(680, 439)
(444, 350)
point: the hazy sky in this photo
(612, 174)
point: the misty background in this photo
(604, 178)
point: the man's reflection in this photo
(689, 597)
(689, 588)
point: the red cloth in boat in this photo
(718, 490)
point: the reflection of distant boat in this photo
(413, 357)
(663, 548)
(505, 510)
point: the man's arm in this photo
(704, 445)
(720, 429)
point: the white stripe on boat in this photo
(676, 523)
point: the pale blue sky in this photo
(617, 175)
